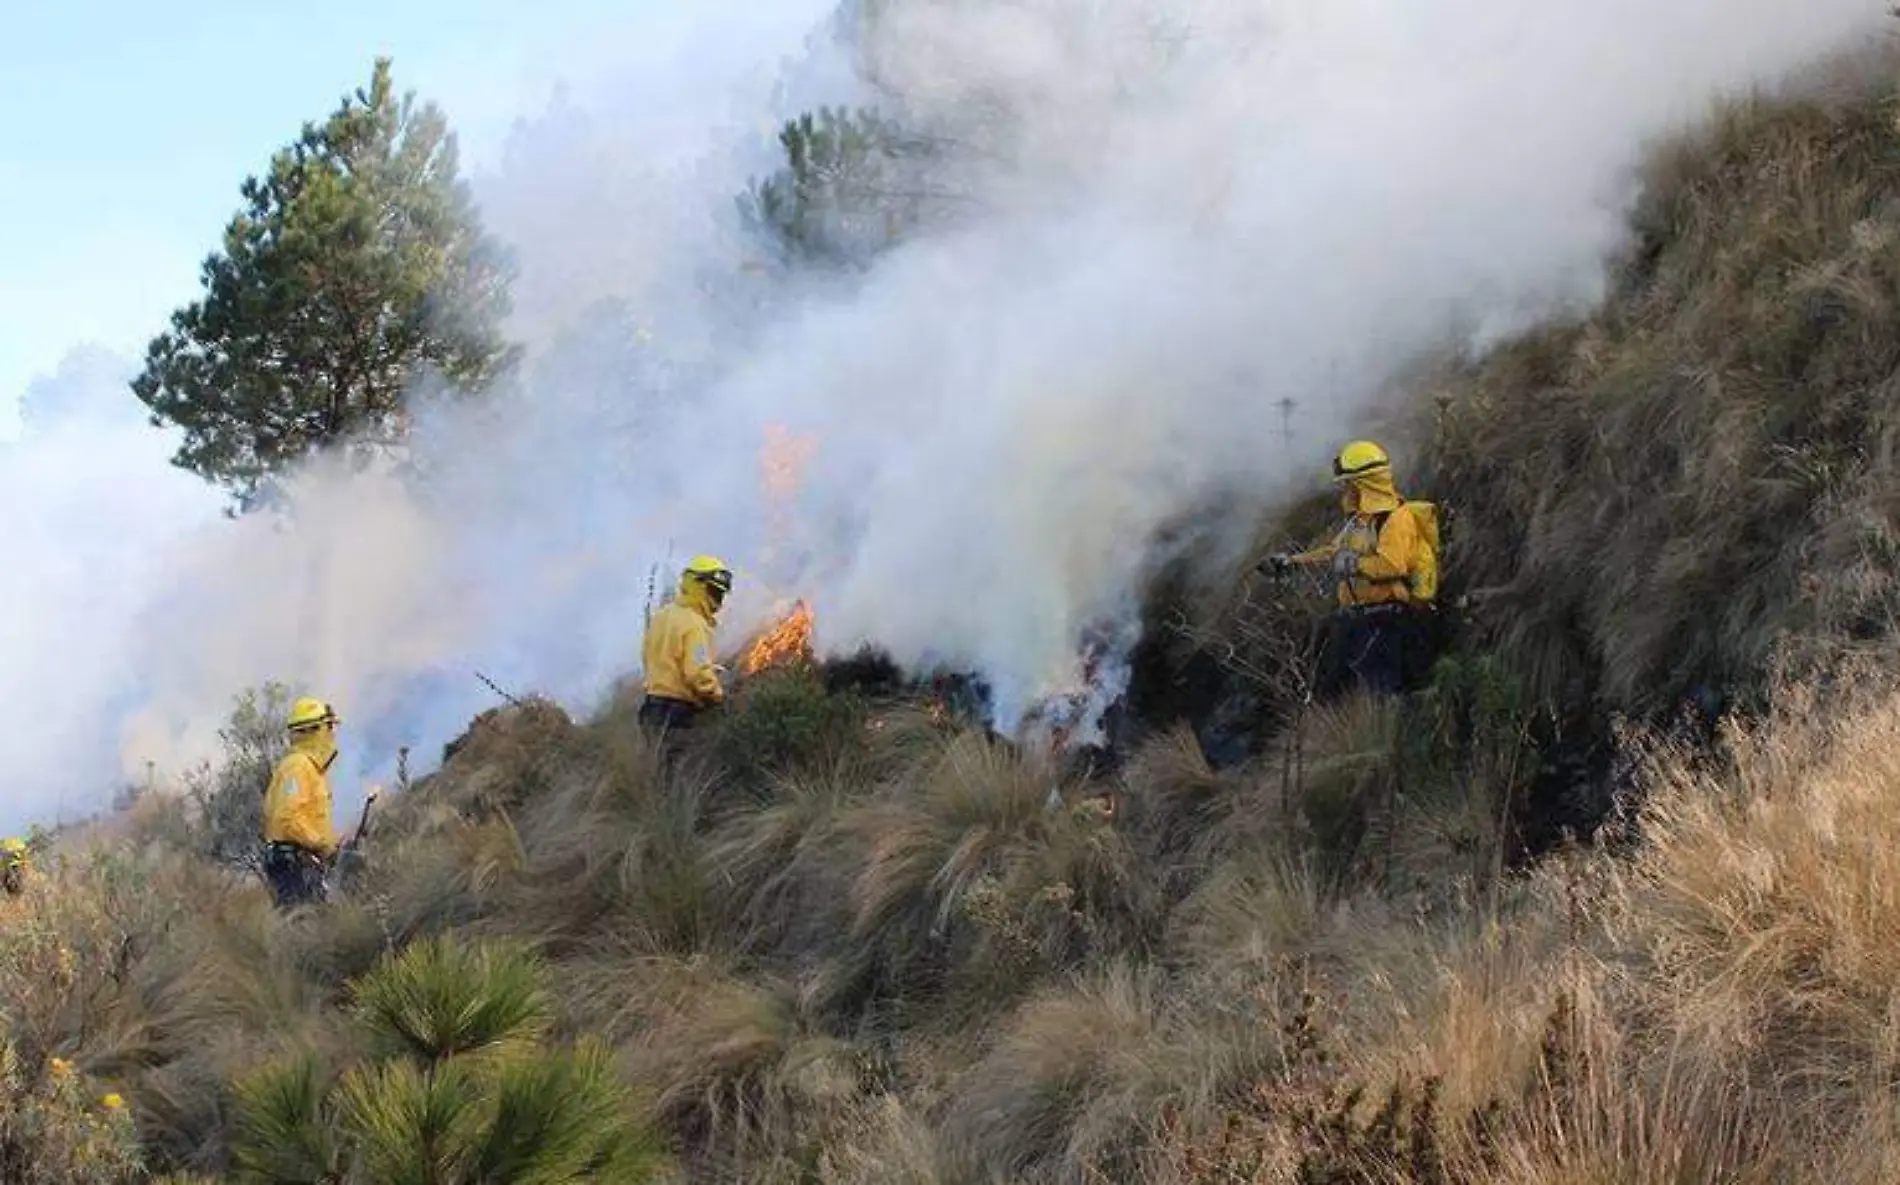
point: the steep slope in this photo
(1704, 471)
(1664, 506)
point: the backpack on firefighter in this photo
(1423, 582)
(1445, 614)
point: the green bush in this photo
(227, 801)
(783, 720)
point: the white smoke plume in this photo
(94, 514)
(1171, 216)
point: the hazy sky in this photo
(126, 128)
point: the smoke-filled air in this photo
(1140, 228)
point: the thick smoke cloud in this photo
(94, 514)
(1169, 217)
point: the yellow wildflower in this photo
(61, 1066)
(113, 1102)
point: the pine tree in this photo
(461, 1087)
(356, 267)
(844, 193)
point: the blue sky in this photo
(126, 128)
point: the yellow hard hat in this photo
(1361, 458)
(310, 713)
(709, 570)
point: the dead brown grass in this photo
(1717, 1008)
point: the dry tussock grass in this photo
(1077, 1085)
(1713, 1005)
(786, 868)
(979, 873)
(738, 1069)
(1765, 903)
(1717, 1007)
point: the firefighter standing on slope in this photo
(681, 678)
(300, 841)
(1385, 560)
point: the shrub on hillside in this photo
(57, 1127)
(784, 868)
(508, 756)
(226, 813)
(1416, 796)
(1077, 1084)
(1762, 910)
(72, 941)
(614, 847)
(744, 1074)
(1466, 762)
(782, 720)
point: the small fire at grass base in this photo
(1083, 716)
(1074, 720)
(1082, 723)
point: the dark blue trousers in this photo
(1383, 649)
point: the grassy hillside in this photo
(1673, 504)
(847, 938)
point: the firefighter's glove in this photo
(1278, 564)
(1345, 564)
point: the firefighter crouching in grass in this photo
(300, 841)
(681, 678)
(1384, 559)
(13, 865)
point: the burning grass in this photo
(787, 642)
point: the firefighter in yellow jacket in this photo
(300, 841)
(681, 677)
(14, 860)
(1384, 561)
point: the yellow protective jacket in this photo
(1385, 534)
(679, 650)
(14, 866)
(297, 804)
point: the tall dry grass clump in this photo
(1715, 1005)
(1763, 912)
(980, 873)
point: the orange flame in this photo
(787, 642)
(782, 462)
